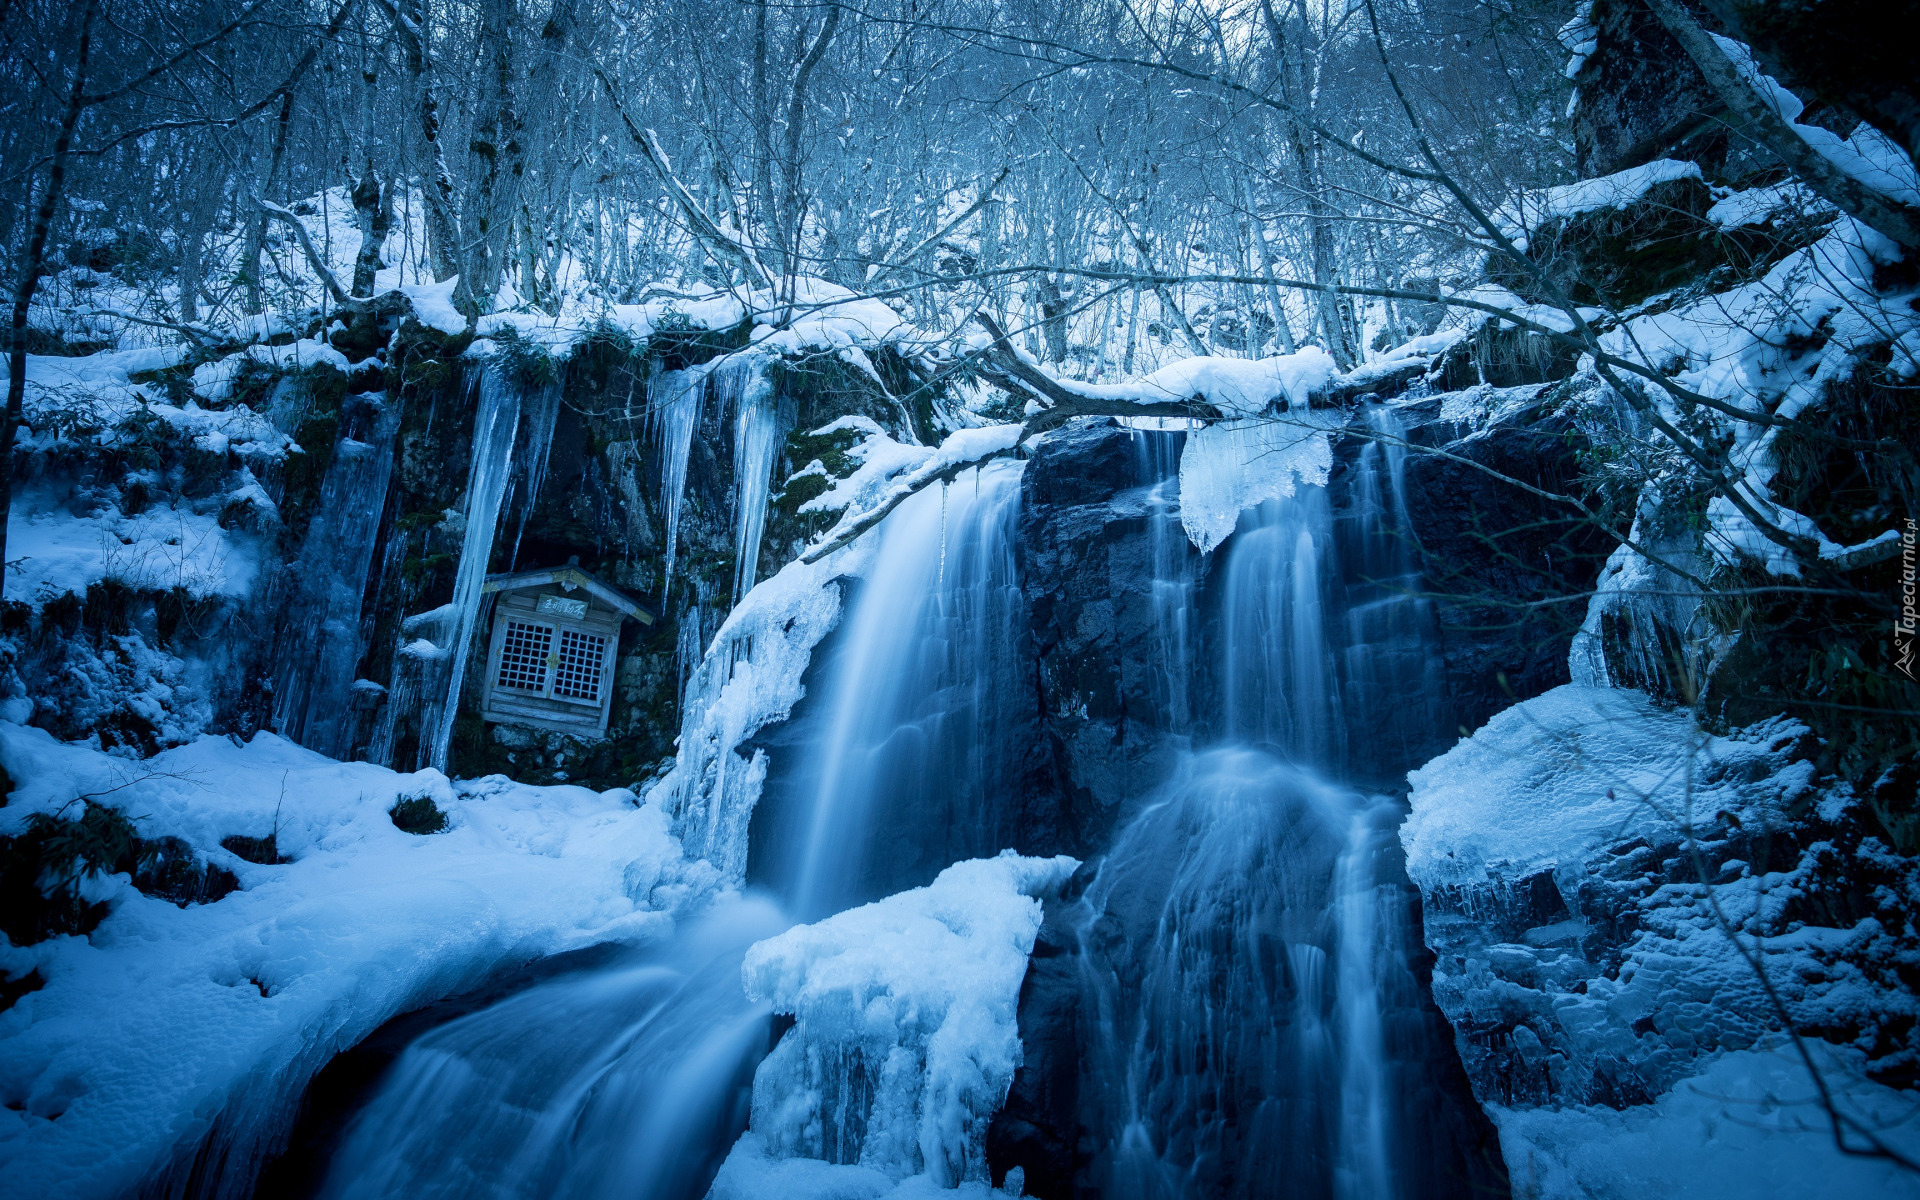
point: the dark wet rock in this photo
(1508, 570)
(1037, 1129)
(1087, 565)
(1641, 98)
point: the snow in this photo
(1236, 386)
(750, 1173)
(53, 551)
(1533, 209)
(881, 459)
(1596, 799)
(921, 988)
(1580, 37)
(1746, 1128)
(240, 429)
(169, 1023)
(433, 305)
(822, 315)
(1774, 345)
(1868, 156)
(889, 470)
(94, 387)
(1757, 206)
(1230, 466)
(1546, 782)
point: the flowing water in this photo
(1235, 946)
(628, 1081)
(905, 760)
(1238, 950)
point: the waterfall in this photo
(1276, 674)
(503, 409)
(1227, 955)
(1175, 619)
(322, 637)
(910, 750)
(1392, 675)
(1329, 650)
(1239, 949)
(1238, 972)
(629, 1080)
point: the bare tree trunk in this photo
(257, 233)
(372, 212)
(32, 265)
(762, 117)
(792, 202)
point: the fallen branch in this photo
(1016, 376)
(879, 513)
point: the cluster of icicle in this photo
(742, 388)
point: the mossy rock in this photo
(1617, 257)
(169, 870)
(1504, 357)
(262, 850)
(418, 815)
(101, 840)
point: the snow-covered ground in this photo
(1746, 1128)
(168, 1025)
(51, 551)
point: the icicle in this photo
(941, 584)
(321, 640)
(540, 413)
(494, 430)
(744, 387)
(673, 407)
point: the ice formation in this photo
(905, 1040)
(1231, 466)
(673, 409)
(746, 391)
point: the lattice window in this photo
(577, 672)
(523, 656)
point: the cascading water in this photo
(1243, 977)
(1392, 676)
(630, 1081)
(912, 743)
(1175, 619)
(1226, 946)
(1239, 951)
(1277, 679)
(321, 637)
(627, 1081)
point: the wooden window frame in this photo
(543, 709)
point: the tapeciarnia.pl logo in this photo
(1904, 624)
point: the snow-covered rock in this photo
(1600, 877)
(905, 1037)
